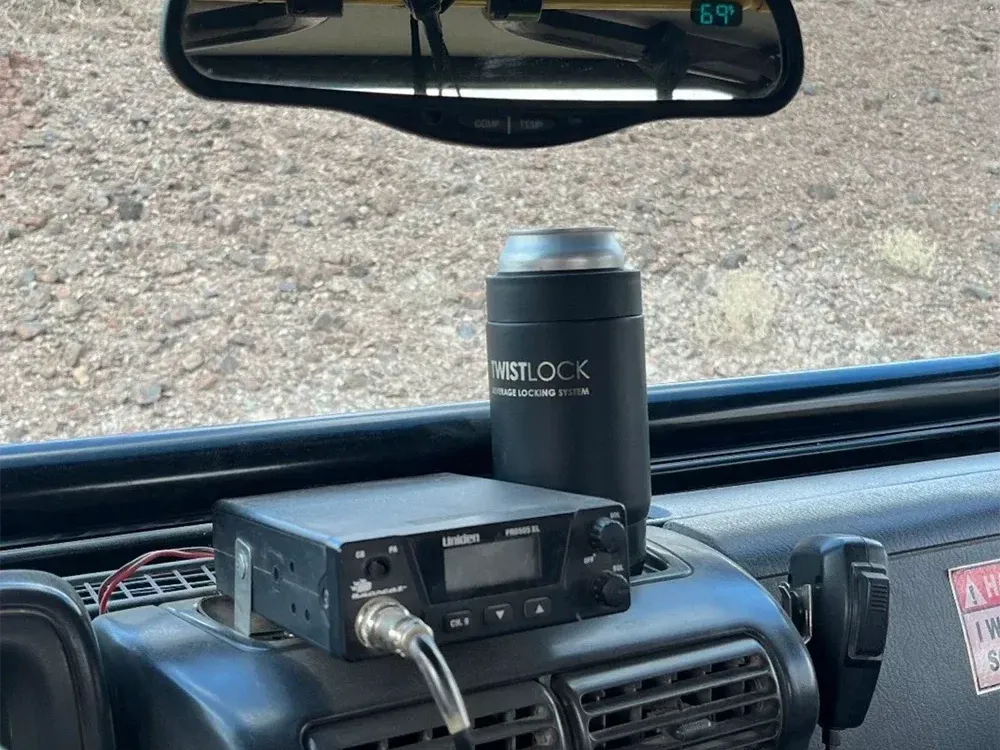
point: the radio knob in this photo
(611, 589)
(608, 535)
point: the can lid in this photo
(561, 249)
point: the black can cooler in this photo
(567, 370)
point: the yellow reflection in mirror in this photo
(540, 94)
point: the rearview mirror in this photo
(506, 73)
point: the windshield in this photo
(169, 262)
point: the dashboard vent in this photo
(519, 717)
(154, 584)
(720, 697)
(189, 579)
(660, 565)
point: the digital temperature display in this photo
(717, 14)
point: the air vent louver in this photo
(188, 579)
(515, 718)
(721, 697)
(154, 584)
(661, 564)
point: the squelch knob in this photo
(611, 589)
(608, 535)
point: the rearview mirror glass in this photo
(493, 72)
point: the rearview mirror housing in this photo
(492, 73)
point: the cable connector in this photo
(385, 626)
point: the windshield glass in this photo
(171, 262)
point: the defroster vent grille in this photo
(719, 697)
(154, 584)
(519, 717)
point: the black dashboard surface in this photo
(931, 517)
(180, 680)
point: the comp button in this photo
(487, 124)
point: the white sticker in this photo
(976, 589)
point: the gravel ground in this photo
(166, 261)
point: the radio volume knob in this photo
(608, 535)
(611, 589)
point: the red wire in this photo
(113, 581)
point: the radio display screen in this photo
(476, 566)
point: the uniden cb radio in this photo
(471, 557)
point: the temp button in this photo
(539, 607)
(530, 124)
(455, 622)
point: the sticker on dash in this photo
(977, 595)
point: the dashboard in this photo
(704, 658)
(681, 663)
(931, 516)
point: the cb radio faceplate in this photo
(472, 557)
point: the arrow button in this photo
(540, 607)
(498, 614)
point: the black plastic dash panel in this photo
(183, 680)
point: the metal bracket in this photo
(798, 605)
(242, 588)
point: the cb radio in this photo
(471, 557)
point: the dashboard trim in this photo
(814, 422)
